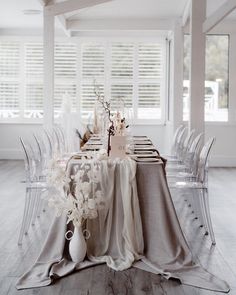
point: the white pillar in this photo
(232, 73)
(177, 75)
(48, 57)
(197, 65)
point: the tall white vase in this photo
(77, 246)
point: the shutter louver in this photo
(93, 68)
(121, 96)
(93, 57)
(9, 79)
(122, 60)
(88, 98)
(150, 59)
(65, 61)
(65, 75)
(33, 60)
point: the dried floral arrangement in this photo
(117, 123)
(79, 196)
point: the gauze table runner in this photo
(139, 228)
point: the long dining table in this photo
(140, 229)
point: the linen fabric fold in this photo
(138, 227)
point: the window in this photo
(216, 81)
(93, 68)
(33, 80)
(129, 73)
(9, 80)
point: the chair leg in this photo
(25, 216)
(37, 204)
(208, 216)
(203, 211)
(31, 209)
(41, 208)
(199, 212)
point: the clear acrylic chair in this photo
(175, 138)
(183, 149)
(179, 138)
(49, 144)
(199, 201)
(34, 188)
(189, 164)
(62, 138)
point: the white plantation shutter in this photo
(88, 98)
(9, 79)
(129, 73)
(65, 75)
(150, 75)
(34, 61)
(122, 60)
(121, 96)
(93, 68)
(33, 92)
(150, 61)
(93, 60)
(122, 63)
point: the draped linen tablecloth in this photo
(139, 228)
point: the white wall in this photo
(9, 138)
(223, 153)
(224, 149)
(10, 145)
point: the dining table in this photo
(139, 228)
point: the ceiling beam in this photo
(63, 23)
(60, 18)
(44, 2)
(218, 15)
(186, 13)
(119, 24)
(71, 5)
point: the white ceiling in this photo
(155, 9)
(12, 17)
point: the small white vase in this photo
(77, 246)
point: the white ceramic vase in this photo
(77, 246)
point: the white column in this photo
(197, 65)
(232, 73)
(48, 81)
(177, 75)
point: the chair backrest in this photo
(189, 139)
(49, 143)
(203, 160)
(42, 153)
(56, 141)
(186, 145)
(195, 143)
(192, 154)
(62, 137)
(180, 142)
(29, 160)
(177, 131)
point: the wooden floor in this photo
(14, 260)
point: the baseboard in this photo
(11, 154)
(222, 161)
